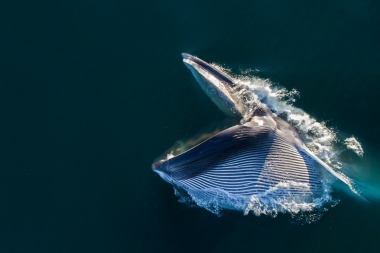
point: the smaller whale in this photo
(243, 161)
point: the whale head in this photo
(218, 86)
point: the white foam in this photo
(268, 203)
(319, 138)
(354, 145)
(277, 199)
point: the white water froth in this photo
(268, 203)
(354, 145)
(320, 139)
(277, 199)
(317, 136)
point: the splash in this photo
(268, 203)
(277, 199)
(354, 145)
(318, 137)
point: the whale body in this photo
(262, 157)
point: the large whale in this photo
(245, 160)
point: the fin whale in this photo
(244, 160)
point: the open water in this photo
(92, 92)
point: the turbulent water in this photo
(322, 140)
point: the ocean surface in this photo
(92, 92)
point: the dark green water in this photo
(91, 92)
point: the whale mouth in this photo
(239, 162)
(218, 86)
(186, 56)
(190, 59)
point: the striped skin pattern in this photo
(242, 161)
